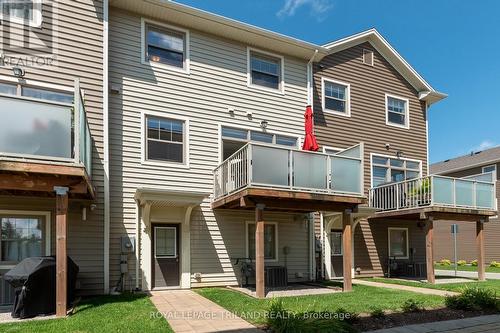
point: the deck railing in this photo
(475, 193)
(45, 131)
(268, 166)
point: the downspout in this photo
(310, 79)
(137, 242)
(427, 133)
(105, 119)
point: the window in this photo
(398, 243)
(265, 70)
(22, 11)
(36, 93)
(165, 242)
(166, 46)
(165, 139)
(270, 241)
(336, 243)
(397, 111)
(490, 168)
(387, 169)
(234, 138)
(368, 57)
(336, 96)
(21, 237)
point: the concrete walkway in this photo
(186, 311)
(427, 291)
(484, 324)
(466, 274)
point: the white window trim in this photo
(281, 89)
(341, 244)
(347, 112)
(373, 57)
(175, 244)
(407, 111)
(393, 157)
(37, 16)
(144, 160)
(494, 171)
(389, 242)
(144, 61)
(247, 252)
(220, 125)
(48, 222)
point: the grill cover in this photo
(34, 281)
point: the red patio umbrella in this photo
(309, 140)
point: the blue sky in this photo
(453, 44)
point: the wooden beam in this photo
(259, 252)
(40, 183)
(481, 270)
(347, 249)
(429, 250)
(61, 254)
(51, 169)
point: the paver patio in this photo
(186, 311)
(483, 324)
(426, 291)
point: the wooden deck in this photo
(436, 213)
(39, 179)
(283, 200)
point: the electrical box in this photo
(128, 244)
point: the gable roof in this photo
(426, 91)
(480, 158)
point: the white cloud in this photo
(318, 8)
(485, 144)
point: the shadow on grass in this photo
(91, 303)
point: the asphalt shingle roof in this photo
(463, 162)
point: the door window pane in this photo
(270, 240)
(8, 89)
(336, 240)
(21, 237)
(261, 137)
(165, 242)
(398, 243)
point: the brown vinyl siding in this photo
(466, 248)
(79, 55)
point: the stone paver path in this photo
(427, 291)
(186, 311)
(483, 324)
(466, 274)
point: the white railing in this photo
(45, 131)
(434, 191)
(267, 166)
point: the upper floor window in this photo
(165, 140)
(397, 110)
(388, 169)
(166, 46)
(22, 11)
(336, 97)
(36, 93)
(265, 70)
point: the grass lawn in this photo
(362, 299)
(489, 284)
(124, 313)
(467, 268)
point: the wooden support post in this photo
(259, 252)
(61, 255)
(347, 249)
(429, 251)
(481, 273)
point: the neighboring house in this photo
(191, 161)
(480, 165)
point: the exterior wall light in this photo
(263, 124)
(18, 72)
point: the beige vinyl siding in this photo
(217, 80)
(368, 86)
(466, 238)
(79, 55)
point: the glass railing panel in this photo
(310, 170)
(442, 191)
(354, 152)
(464, 193)
(485, 195)
(32, 128)
(270, 166)
(346, 175)
(85, 143)
(483, 177)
